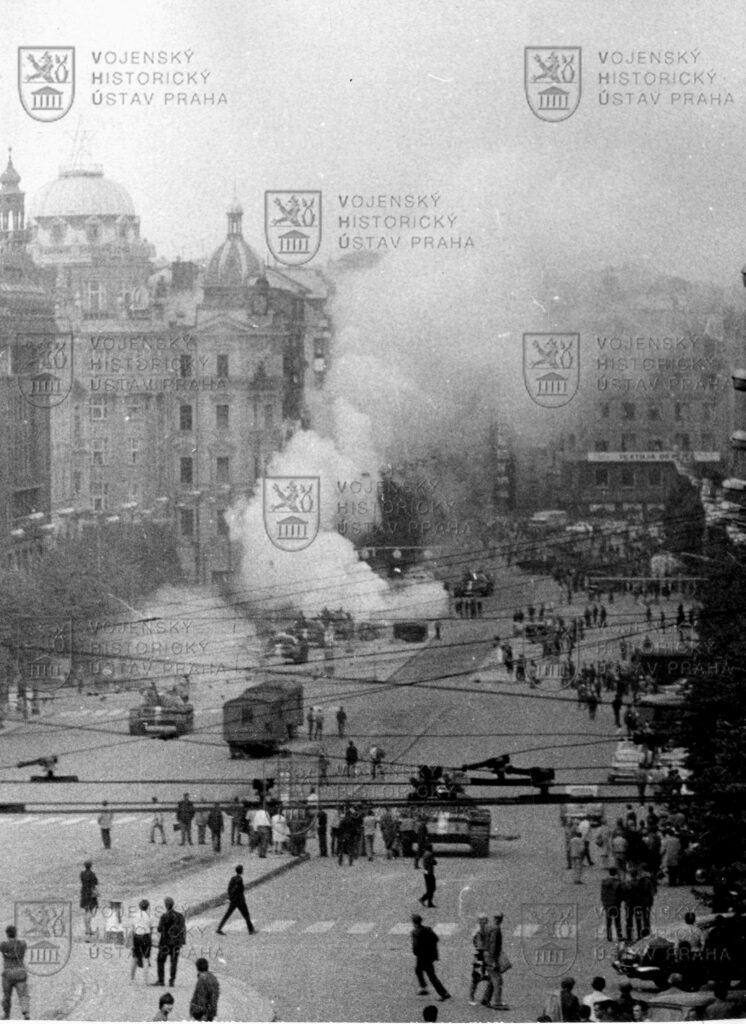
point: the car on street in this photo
(626, 761)
(591, 808)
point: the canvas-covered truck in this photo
(164, 713)
(263, 718)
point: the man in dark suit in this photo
(611, 901)
(172, 936)
(204, 1003)
(236, 901)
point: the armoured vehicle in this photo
(263, 718)
(163, 714)
(452, 817)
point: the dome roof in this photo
(10, 178)
(235, 262)
(82, 192)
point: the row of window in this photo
(93, 231)
(639, 476)
(682, 411)
(657, 444)
(222, 416)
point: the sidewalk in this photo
(95, 983)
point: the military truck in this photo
(163, 713)
(453, 818)
(263, 718)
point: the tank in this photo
(453, 819)
(263, 718)
(163, 715)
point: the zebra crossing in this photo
(326, 927)
(31, 820)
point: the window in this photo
(629, 442)
(269, 416)
(93, 232)
(99, 496)
(222, 523)
(682, 441)
(186, 470)
(222, 469)
(628, 476)
(96, 293)
(601, 477)
(186, 522)
(76, 482)
(654, 413)
(600, 445)
(628, 410)
(134, 410)
(656, 444)
(604, 410)
(186, 366)
(134, 450)
(222, 365)
(221, 416)
(654, 476)
(708, 442)
(680, 411)
(185, 417)
(706, 413)
(100, 451)
(59, 228)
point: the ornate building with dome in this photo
(186, 377)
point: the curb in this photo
(195, 909)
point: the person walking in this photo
(105, 821)
(584, 828)
(142, 940)
(671, 856)
(14, 973)
(263, 828)
(184, 818)
(425, 949)
(422, 838)
(611, 901)
(88, 897)
(200, 820)
(172, 937)
(428, 867)
(204, 1002)
(478, 967)
(321, 826)
(341, 721)
(216, 825)
(497, 964)
(236, 901)
(616, 706)
(577, 849)
(351, 759)
(318, 726)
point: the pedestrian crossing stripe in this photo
(446, 927)
(528, 929)
(400, 929)
(361, 928)
(320, 926)
(277, 926)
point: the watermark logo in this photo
(292, 225)
(551, 368)
(551, 79)
(43, 367)
(549, 937)
(46, 928)
(46, 81)
(291, 510)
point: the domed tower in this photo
(12, 205)
(84, 225)
(233, 268)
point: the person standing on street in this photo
(370, 824)
(216, 825)
(156, 825)
(611, 901)
(428, 867)
(584, 828)
(172, 937)
(88, 896)
(334, 818)
(142, 940)
(351, 759)
(341, 721)
(236, 901)
(280, 831)
(105, 820)
(184, 818)
(425, 949)
(238, 815)
(577, 849)
(263, 828)
(422, 839)
(310, 721)
(318, 727)
(497, 964)
(14, 973)
(438, 628)
(321, 825)
(204, 1003)
(478, 969)
(200, 820)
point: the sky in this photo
(360, 98)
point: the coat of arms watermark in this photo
(552, 81)
(46, 926)
(551, 368)
(42, 364)
(549, 937)
(46, 81)
(291, 510)
(292, 225)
